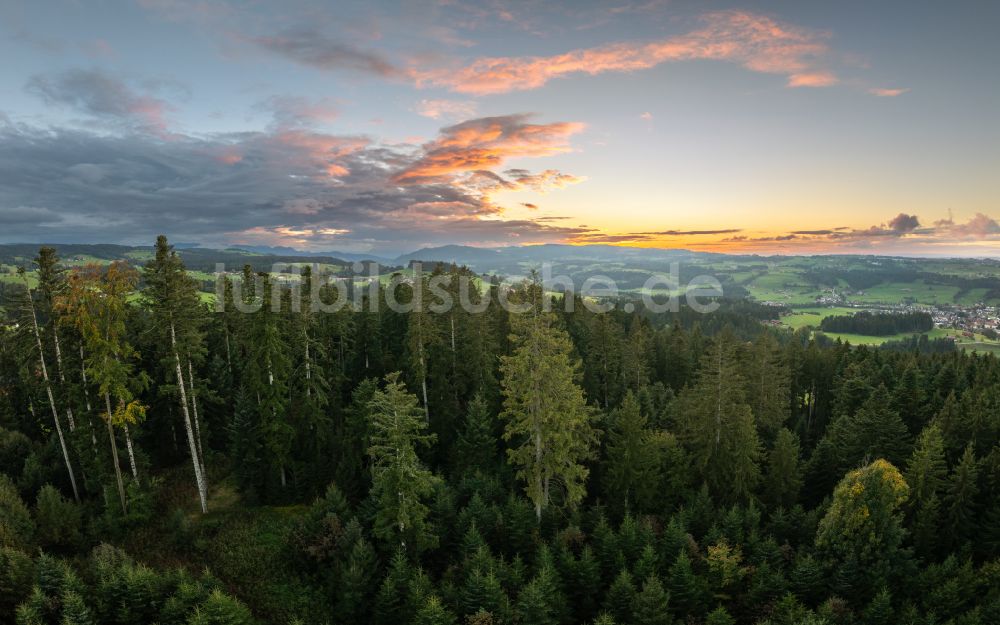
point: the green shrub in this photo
(57, 520)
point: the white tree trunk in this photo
(86, 400)
(197, 421)
(114, 453)
(48, 390)
(131, 453)
(199, 477)
(62, 377)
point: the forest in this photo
(161, 462)
(878, 323)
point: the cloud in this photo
(903, 223)
(812, 79)
(314, 49)
(294, 111)
(646, 116)
(681, 233)
(543, 181)
(756, 42)
(887, 93)
(297, 187)
(486, 143)
(93, 92)
(449, 109)
(979, 226)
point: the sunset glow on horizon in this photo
(769, 128)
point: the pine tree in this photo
(476, 447)
(434, 613)
(768, 385)
(925, 474)
(717, 424)
(620, 597)
(879, 610)
(220, 609)
(651, 605)
(390, 602)
(548, 420)
(399, 479)
(960, 498)
(876, 431)
(783, 478)
(631, 463)
(74, 610)
(172, 298)
(719, 616)
(245, 446)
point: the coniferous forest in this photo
(165, 463)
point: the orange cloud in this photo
(320, 150)
(759, 43)
(887, 93)
(812, 79)
(483, 144)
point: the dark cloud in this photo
(282, 186)
(95, 93)
(313, 48)
(903, 223)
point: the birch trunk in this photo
(62, 378)
(131, 453)
(114, 453)
(86, 401)
(197, 421)
(198, 475)
(48, 390)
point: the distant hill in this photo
(195, 258)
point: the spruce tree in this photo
(400, 481)
(631, 465)
(717, 424)
(960, 498)
(548, 421)
(925, 474)
(172, 298)
(650, 606)
(783, 477)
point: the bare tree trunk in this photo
(114, 453)
(197, 421)
(308, 366)
(199, 477)
(131, 453)
(86, 399)
(62, 377)
(48, 390)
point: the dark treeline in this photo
(166, 464)
(878, 323)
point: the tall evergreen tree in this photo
(172, 298)
(548, 421)
(717, 424)
(632, 465)
(960, 498)
(400, 481)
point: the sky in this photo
(766, 127)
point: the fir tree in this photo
(548, 420)
(399, 479)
